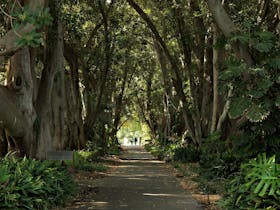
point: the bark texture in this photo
(45, 131)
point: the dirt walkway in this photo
(140, 183)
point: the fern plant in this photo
(31, 184)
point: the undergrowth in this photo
(34, 185)
(86, 161)
(243, 169)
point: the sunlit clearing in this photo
(133, 132)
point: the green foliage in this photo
(250, 98)
(274, 63)
(223, 157)
(277, 101)
(186, 154)
(94, 149)
(156, 151)
(174, 152)
(87, 155)
(32, 39)
(254, 97)
(238, 106)
(257, 186)
(84, 161)
(161, 151)
(30, 184)
(97, 167)
(263, 41)
(234, 69)
(38, 19)
(217, 158)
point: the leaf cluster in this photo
(255, 97)
(38, 19)
(256, 186)
(31, 184)
(84, 160)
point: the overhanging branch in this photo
(8, 43)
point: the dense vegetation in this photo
(203, 76)
(31, 184)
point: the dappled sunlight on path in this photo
(140, 182)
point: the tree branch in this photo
(8, 45)
(228, 28)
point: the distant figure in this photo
(135, 140)
(131, 141)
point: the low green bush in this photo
(31, 184)
(223, 158)
(97, 167)
(186, 154)
(257, 186)
(84, 161)
(157, 151)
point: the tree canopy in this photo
(199, 73)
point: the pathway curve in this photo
(141, 182)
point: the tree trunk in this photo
(207, 103)
(184, 41)
(119, 104)
(75, 125)
(52, 67)
(3, 143)
(167, 90)
(218, 59)
(10, 116)
(19, 80)
(58, 104)
(105, 68)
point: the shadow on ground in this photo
(140, 182)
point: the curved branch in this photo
(228, 28)
(177, 81)
(8, 45)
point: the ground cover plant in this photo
(32, 184)
(256, 186)
(88, 161)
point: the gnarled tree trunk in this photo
(53, 67)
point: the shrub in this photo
(30, 184)
(84, 161)
(223, 157)
(186, 154)
(217, 159)
(158, 152)
(257, 186)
